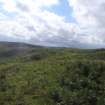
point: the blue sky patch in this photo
(9, 15)
(63, 9)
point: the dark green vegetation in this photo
(51, 76)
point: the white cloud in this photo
(33, 24)
(90, 16)
(9, 5)
(32, 21)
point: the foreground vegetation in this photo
(51, 76)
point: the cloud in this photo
(90, 17)
(32, 23)
(8, 5)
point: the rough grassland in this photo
(51, 76)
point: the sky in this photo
(62, 23)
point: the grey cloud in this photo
(31, 28)
(22, 7)
(8, 38)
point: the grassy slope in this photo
(51, 76)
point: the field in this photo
(35, 75)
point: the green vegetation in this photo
(51, 76)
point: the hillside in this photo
(34, 75)
(9, 49)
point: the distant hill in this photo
(16, 45)
(9, 49)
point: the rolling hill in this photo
(35, 75)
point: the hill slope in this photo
(33, 75)
(9, 49)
